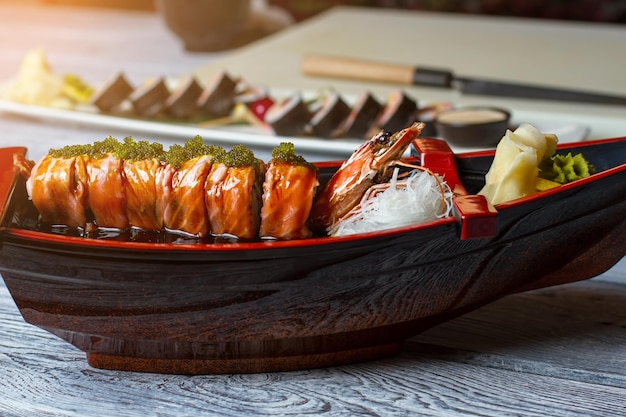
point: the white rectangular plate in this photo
(253, 136)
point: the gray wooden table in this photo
(558, 351)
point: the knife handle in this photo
(365, 70)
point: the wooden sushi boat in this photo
(263, 306)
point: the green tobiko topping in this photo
(110, 145)
(95, 150)
(127, 150)
(132, 150)
(238, 156)
(285, 152)
(70, 151)
(193, 148)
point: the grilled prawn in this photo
(366, 166)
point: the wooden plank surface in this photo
(553, 352)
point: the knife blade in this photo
(366, 70)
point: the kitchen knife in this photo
(357, 69)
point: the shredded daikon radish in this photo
(422, 197)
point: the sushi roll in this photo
(329, 117)
(289, 117)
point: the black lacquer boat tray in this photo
(193, 308)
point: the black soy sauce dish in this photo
(475, 126)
